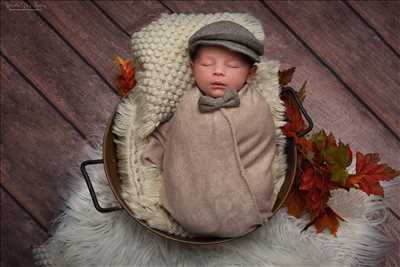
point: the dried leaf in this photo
(337, 157)
(302, 92)
(328, 220)
(306, 148)
(295, 122)
(126, 80)
(315, 187)
(322, 166)
(369, 172)
(295, 203)
(285, 76)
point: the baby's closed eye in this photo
(206, 62)
(234, 64)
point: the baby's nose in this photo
(218, 70)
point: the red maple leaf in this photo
(323, 165)
(295, 202)
(295, 122)
(328, 220)
(315, 186)
(369, 172)
(336, 157)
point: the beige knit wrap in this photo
(216, 166)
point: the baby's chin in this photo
(216, 92)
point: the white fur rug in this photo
(85, 237)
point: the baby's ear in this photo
(253, 71)
(191, 64)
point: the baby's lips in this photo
(218, 83)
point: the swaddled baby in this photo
(215, 154)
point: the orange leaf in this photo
(295, 122)
(323, 165)
(126, 80)
(315, 188)
(302, 92)
(328, 220)
(295, 203)
(306, 147)
(369, 173)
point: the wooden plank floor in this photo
(58, 89)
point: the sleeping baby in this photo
(215, 153)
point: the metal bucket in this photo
(110, 167)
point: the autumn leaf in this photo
(302, 92)
(308, 180)
(340, 155)
(306, 148)
(295, 122)
(285, 76)
(337, 157)
(322, 166)
(369, 172)
(328, 220)
(316, 190)
(322, 140)
(126, 80)
(295, 203)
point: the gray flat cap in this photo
(230, 35)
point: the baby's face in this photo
(217, 69)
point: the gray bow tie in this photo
(229, 100)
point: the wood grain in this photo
(91, 33)
(57, 71)
(329, 103)
(352, 50)
(384, 17)
(97, 38)
(132, 15)
(18, 233)
(66, 50)
(40, 149)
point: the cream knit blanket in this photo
(163, 75)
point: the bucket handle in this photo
(292, 92)
(90, 186)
